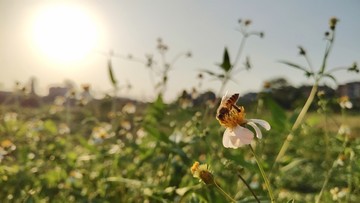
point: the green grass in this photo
(151, 160)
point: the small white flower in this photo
(129, 108)
(344, 130)
(338, 194)
(10, 117)
(102, 132)
(233, 118)
(345, 102)
(239, 136)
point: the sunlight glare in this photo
(64, 33)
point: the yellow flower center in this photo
(230, 118)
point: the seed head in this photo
(333, 22)
(202, 172)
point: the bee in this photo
(229, 114)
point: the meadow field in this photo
(197, 148)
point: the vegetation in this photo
(81, 150)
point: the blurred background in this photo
(59, 41)
(116, 101)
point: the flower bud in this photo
(333, 22)
(202, 172)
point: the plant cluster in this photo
(196, 149)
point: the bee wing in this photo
(232, 100)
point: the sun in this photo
(64, 33)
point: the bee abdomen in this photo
(222, 113)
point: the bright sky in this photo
(56, 41)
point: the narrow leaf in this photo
(331, 77)
(296, 66)
(209, 72)
(111, 74)
(214, 74)
(279, 118)
(226, 65)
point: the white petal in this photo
(243, 134)
(226, 138)
(348, 105)
(237, 137)
(262, 123)
(257, 130)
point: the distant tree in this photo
(278, 83)
(283, 92)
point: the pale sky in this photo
(203, 27)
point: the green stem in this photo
(223, 192)
(67, 113)
(325, 183)
(248, 186)
(326, 138)
(237, 58)
(297, 123)
(306, 106)
(337, 69)
(309, 63)
(223, 84)
(240, 50)
(349, 180)
(266, 180)
(328, 175)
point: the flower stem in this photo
(329, 173)
(240, 50)
(297, 123)
(248, 186)
(266, 180)
(223, 192)
(325, 183)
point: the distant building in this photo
(32, 86)
(352, 90)
(328, 91)
(5, 97)
(55, 92)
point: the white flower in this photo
(345, 102)
(102, 132)
(239, 136)
(344, 130)
(10, 117)
(129, 108)
(233, 118)
(338, 194)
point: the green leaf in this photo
(84, 143)
(278, 114)
(111, 74)
(153, 119)
(50, 126)
(209, 72)
(297, 67)
(226, 64)
(214, 74)
(331, 77)
(294, 163)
